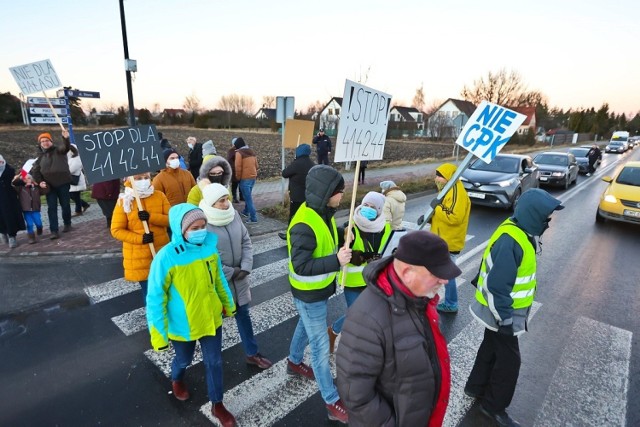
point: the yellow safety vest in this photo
(355, 279)
(326, 244)
(524, 288)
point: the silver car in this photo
(501, 182)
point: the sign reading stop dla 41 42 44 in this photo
(489, 128)
(35, 77)
(364, 119)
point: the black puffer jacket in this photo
(322, 181)
(52, 166)
(387, 370)
(297, 173)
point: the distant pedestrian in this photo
(363, 170)
(594, 155)
(394, 204)
(236, 255)
(173, 181)
(246, 169)
(106, 194)
(126, 226)
(29, 195)
(392, 364)
(11, 220)
(297, 172)
(78, 182)
(164, 142)
(231, 158)
(188, 293)
(215, 169)
(323, 147)
(195, 156)
(505, 292)
(51, 169)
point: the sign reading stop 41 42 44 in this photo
(489, 128)
(364, 119)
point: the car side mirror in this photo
(528, 170)
(607, 179)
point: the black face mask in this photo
(215, 179)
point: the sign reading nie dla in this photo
(488, 130)
(364, 119)
(35, 77)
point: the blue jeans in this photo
(246, 186)
(245, 329)
(350, 296)
(211, 357)
(312, 330)
(451, 289)
(32, 218)
(55, 194)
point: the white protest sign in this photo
(364, 118)
(35, 77)
(488, 130)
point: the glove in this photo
(236, 271)
(242, 274)
(143, 215)
(147, 237)
(370, 256)
(420, 220)
(357, 258)
(506, 330)
(435, 202)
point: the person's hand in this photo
(435, 202)
(43, 184)
(506, 330)
(143, 215)
(236, 271)
(357, 257)
(65, 133)
(147, 237)
(242, 274)
(344, 256)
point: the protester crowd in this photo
(187, 246)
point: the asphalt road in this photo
(75, 363)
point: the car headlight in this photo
(557, 174)
(610, 198)
(506, 183)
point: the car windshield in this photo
(551, 159)
(618, 138)
(629, 176)
(614, 144)
(579, 152)
(499, 164)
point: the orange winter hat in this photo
(45, 135)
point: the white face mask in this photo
(142, 184)
(190, 146)
(174, 163)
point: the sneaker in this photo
(244, 214)
(332, 339)
(501, 419)
(337, 412)
(251, 221)
(54, 235)
(225, 417)
(302, 369)
(84, 208)
(259, 360)
(180, 390)
(66, 228)
(13, 243)
(76, 214)
(446, 308)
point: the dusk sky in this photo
(578, 53)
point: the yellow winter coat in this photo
(129, 230)
(451, 217)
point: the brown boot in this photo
(32, 238)
(180, 390)
(225, 417)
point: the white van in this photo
(621, 136)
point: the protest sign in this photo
(488, 130)
(298, 132)
(119, 153)
(35, 77)
(364, 119)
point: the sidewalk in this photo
(89, 234)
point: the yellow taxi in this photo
(621, 199)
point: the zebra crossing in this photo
(266, 397)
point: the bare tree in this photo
(268, 102)
(237, 103)
(502, 87)
(191, 104)
(418, 98)
(315, 107)
(437, 125)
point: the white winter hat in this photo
(213, 192)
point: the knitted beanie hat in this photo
(208, 148)
(212, 193)
(45, 135)
(190, 217)
(375, 199)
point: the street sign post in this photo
(43, 101)
(74, 93)
(48, 120)
(284, 110)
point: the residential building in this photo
(449, 118)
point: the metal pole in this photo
(132, 115)
(282, 191)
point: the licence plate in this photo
(628, 212)
(544, 178)
(476, 195)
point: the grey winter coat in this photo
(234, 245)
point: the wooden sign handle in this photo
(141, 208)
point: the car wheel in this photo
(514, 202)
(599, 218)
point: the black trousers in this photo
(323, 158)
(293, 208)
(495, 371)
(107, 206)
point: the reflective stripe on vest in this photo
(326, 244)
(524, 288)
(355, 278)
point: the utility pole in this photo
(132, 115)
